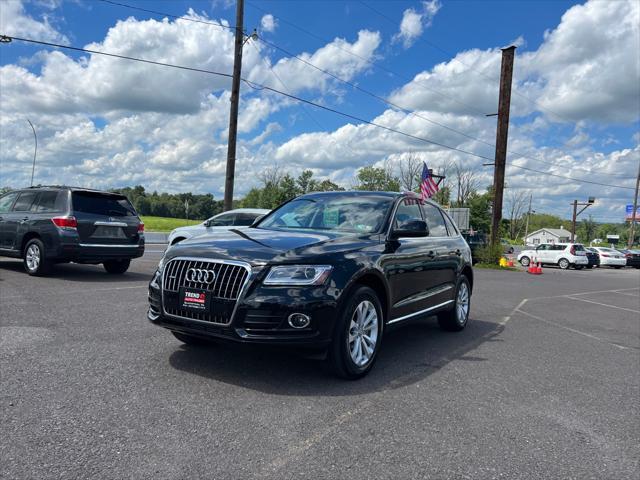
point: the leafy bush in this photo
(489, 254)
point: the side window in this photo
(245, 219)
(435, 221)
(7, 201)
(407, 212)
(223, 220)
(451, 228)
(46, 203)
(25, 199)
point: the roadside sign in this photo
(629, 213)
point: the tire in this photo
(617, 267)
(192, 339)
(117, 267)
(34, 259)
(525, 261)
(456, 319)
(563, 263)
(589, 267)
(578, 267)
(349, 356)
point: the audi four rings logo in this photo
(199, 275)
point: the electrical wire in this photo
(453, 56)
(307, 102)
(515, 155)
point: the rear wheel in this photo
(589, 267)
(579, 267)
(456, 319)
(563, 263)
(525, 261)
(191, 339)
(117, 266)
(34, 258)
(357, 336)
(618, 267)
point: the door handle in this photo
(431, 254)
(24, 220)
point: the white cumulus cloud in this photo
(415, 21)
(268, 23)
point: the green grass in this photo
(493, 266)
(164, 224)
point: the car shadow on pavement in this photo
(409, 354)
(78, 272)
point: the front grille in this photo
(225, 289)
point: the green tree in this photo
(480, 211)
(306, 183)
(377, 179)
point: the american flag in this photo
(428, 187)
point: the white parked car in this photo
(610, 257)
(564, 255)
(237, 219)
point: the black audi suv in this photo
(331, 270)
(47, 225)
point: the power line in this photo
(453, 57)
(351, 84)
(304, 101)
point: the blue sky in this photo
(105, 122)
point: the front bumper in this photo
(261, 315)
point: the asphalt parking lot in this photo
(544, 383)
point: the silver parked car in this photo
(238, 219)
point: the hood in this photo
(260, 246)
(188, 228)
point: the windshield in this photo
(340, 213)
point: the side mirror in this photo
(207, 223)
(414, 228)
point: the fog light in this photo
(299, 320)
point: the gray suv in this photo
(47, 225)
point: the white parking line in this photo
(602, 304)
(621, 347)
(625, 293)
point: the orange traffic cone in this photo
(510, 263)
(539, 270)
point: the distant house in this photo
(548, 235)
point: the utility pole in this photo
(233, 114)
(575, 204)
(35, 151)
(504, 103)
(526, 228)
(632, 228)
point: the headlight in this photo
(298, 275)
(161, 264)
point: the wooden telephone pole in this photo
(504, 104)
(233, 114)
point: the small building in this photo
(548, 235)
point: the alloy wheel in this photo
(462, 303)
(363, 333)
(33, 257)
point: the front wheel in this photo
(34, 259)
(357, 335)
(564, 263)
(525, 261)
(117, 266)
(456, 319)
